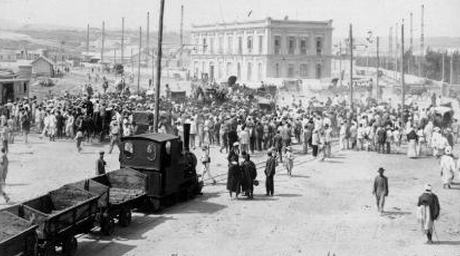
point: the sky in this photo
(441, 16)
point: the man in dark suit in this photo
(100, 164)
(270, 169)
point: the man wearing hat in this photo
(100, 164)
(270, 169)
(428, 211)
(447, 164)
(114, 134)
(380, 189)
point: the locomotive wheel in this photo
(70, 246)
(125, 217)
(107, 225)
(48, 249)
(31, 242)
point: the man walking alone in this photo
(380, 189)
(428, 211)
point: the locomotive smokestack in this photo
(186, 137)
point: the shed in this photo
(42, 67)
(14, 88)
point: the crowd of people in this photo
(240, 127)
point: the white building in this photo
(265, 50)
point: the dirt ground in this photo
(326, 207)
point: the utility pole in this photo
(132, 61)
(102, 42)
(390, 47)
(403, 89)
(139, 63)
(451, 79)
(378, 70)
(87, 41)
(411, 44)
(351, 67)
(115, 56)
(396, 52)
(443, 71)
(158, 78)
(122, 39)
(147, 46)
(181, 25)
(340, 63)
(422, 50)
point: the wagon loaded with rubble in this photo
(119, 192)
(61, 214)
(17, 235)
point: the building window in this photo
(277, 44)
(290, 70)
(220, 75)
(249, 44)
(230, 45)
(291, 45)
(204, 45)
(303, 46)
(238, 70)
(240, 45)
(259, 71)
(277, 70)
(221, 45)
(303, 70)
(249, 74)
(261, 43)
(318, 71)
(229, 69)
(319, 45)
(211, 45)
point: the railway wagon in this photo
(18, 236)
(61, 214)
(170, 169)
(120, 191)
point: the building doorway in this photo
(7, 92)
(318, 71)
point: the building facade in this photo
(267, 50)
(42, 66)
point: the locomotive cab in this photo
(170, 170)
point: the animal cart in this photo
(17, 235)
(61, 215)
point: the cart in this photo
(61, 215)
(17, 235)
(120, 191)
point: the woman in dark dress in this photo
(234, 179)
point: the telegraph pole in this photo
(443, 71)
(396, 52)
(102, 42)
(340, 63)
(411, 43)
(403, 89)
(351, 67)
(451, 79)
(87, 40)
(378, 70)
(139, 63)
(390, 47)
(422, 50)
(148, 39)
(122, 39)
(158, 78)
(132, 61)
(181, 25)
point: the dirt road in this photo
(325, 207)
